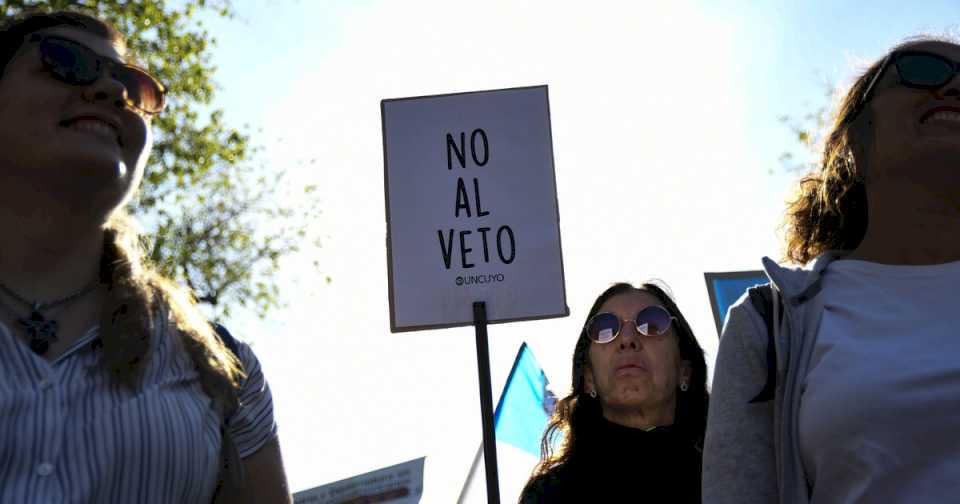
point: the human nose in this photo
(108, 89)
(953, 91)
(630, 337)
(950, 89)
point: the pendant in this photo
(39, 330)
(39, 346)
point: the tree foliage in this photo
(808, 132)
(204, 201)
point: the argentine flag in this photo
(520, 420)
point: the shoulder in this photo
(253, 423)
(744, 327)
(232, 343)
(241, 350)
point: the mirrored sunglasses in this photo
(651, 321)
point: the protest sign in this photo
(398, 484)
(472, 209)
(727, 287)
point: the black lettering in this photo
(473, 146)
(476, 198)
(447, 251)
(462, 200)
(513, 244)
(457, 152)
(486, 250)
(464, 249)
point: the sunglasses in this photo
(651, 321)
(917, 69)
(79, 65)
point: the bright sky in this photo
(665, 133)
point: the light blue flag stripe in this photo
(525, 404)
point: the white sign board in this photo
(471, 208)
(399, 484)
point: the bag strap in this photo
(231, 462)
(761, 296)
(227, 339)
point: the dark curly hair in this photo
(830, 209)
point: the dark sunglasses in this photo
(76, 64)
(917, 69)
(651, 321)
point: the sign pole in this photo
(486, 402)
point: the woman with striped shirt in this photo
(113, 386)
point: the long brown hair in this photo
(830, 208)
(577, 415)
(136, 293)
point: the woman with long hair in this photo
(633, 422)
(113, 385)
(863, 343)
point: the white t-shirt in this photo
(879, 417)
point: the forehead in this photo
(950, 50)
(102, 46)
(627, 304)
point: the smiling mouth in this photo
(942, 116)
(94, 127)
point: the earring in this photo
(684, 387)
(593, 394)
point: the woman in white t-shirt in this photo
(866, 336)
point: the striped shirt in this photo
(69, 434)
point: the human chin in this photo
(101, 170)
(630, 392)
(627, 402)
(90, 156)
(933, 162)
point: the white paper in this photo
(493, 178)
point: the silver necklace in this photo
(40, 330)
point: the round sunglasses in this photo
(604, 327)
(916, 69)
(78, 65)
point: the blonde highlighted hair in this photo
(136, 294)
